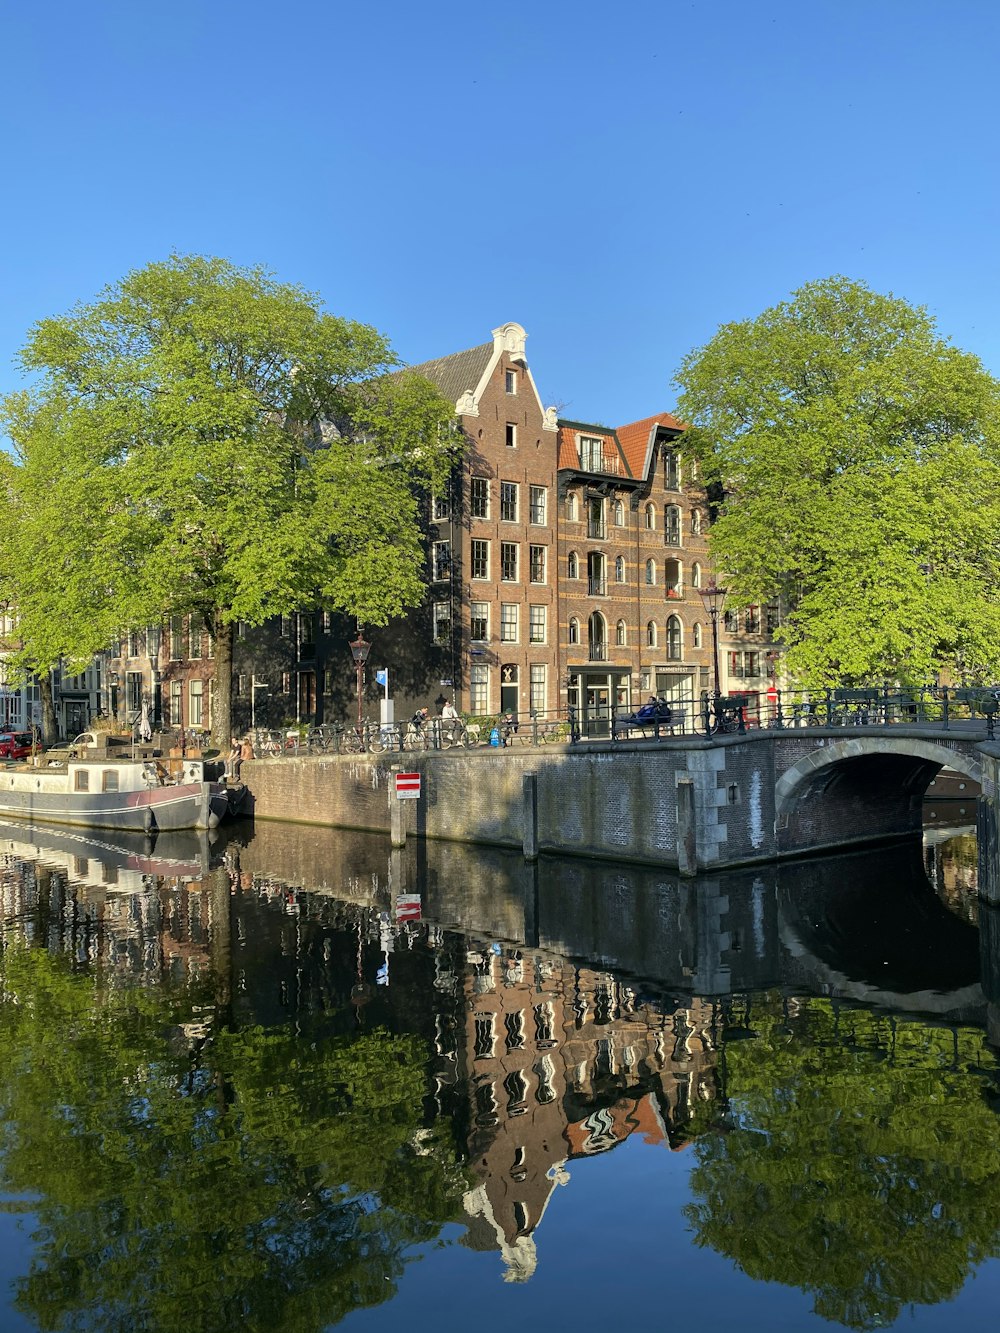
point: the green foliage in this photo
(206, 440)
(861, 1161)
(266, 1183)
(857, 460)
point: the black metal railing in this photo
(597, 587)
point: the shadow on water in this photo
(293, 1059)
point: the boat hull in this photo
(184, 806)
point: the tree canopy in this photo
(205, 440)
(855, 460)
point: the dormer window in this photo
(591, 453)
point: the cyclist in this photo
(451, 722)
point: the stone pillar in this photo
(529, 835)
(687, 829)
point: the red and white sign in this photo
(407, 907)
(408, 786)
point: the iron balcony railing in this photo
(597, 650)
(597, 587)
(596, 528)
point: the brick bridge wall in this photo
(753, 797)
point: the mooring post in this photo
(687, 830)
(529, 837)
(397, 824)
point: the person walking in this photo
(450, 719)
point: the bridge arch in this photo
(797, 780)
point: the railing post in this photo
(945, 709)
(779, 720)
(574, 730)
(829, 706)
(534, 726)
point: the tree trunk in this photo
(222, 717)
(50, 729)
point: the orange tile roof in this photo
(635, 439)
(568, 456)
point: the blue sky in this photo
(619, 179)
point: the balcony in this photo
(674, 592)
(597, 587)
(597, 650)
(596, 528)
(593, 460)
(672, 535)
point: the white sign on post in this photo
(408, 786)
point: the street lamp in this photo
(359, 651)
(712, 598)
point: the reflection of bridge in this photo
(696, 803)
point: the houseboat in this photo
(104, 791)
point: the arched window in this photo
(696, 522)
(621, 634)
(673, 577)
(572, 566)
(574, 630)
(650, 572)
(619, 569)
(597, 638)
(675, 639)
(618, 514)
(651, 633)
(696, 575)
(696, 635)
(650, 516)
(571, 506)
(671, 525)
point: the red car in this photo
(15, 744)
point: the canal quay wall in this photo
(692, 805)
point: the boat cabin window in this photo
(110, 780)
(82, 780)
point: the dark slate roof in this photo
(456, 373)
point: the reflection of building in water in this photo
(951, 859)
(565, 1062)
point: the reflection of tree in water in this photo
(860, 1160)
(261, 1182)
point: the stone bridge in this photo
(693, 803)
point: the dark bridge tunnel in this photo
(861, 790)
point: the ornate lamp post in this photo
(359, 651)
(712, 598)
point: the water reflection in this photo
(248, 1084)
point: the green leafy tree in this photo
(205, 440)
(263, 1182)
(860, 1160)
(855, 459)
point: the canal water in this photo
(298, 1081)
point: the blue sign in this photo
(382, 676)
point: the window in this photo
(618, 513)
(510, 381)
(176, 720)
(479, 688)
(480, 560)
(508, 622)
(731, 622)
(673, 577)
(752, 619)
(508, 501)
(696, 576)
(619, 569)
(439, 508)
(650, 517)
(176, 638)
(537, 500)
(440, 560)
(442, 622)
(510, 436)
(696, 522)
(195, 652)
(672, 525)
(671, 471)
(479, 497)
(696, 635)
(109, 778)
(650, 572)
(651, 634)
(479, 622)
(675, 639)
(508, 562)
(574, 631)
(134, 644)
(572, 565)
(571, 507)
(536, 688)
(82, 780)
(195, 716)
(536, 624)
(286, 627)
(536, 564)
(621, 634)
(744, 664)
(591, 453)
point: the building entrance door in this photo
(597, 711)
